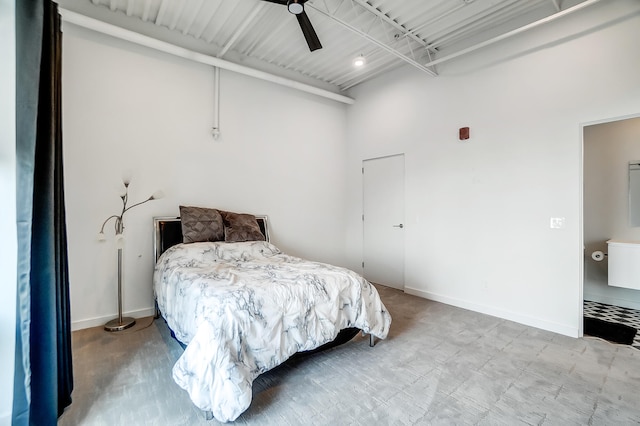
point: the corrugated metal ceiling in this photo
(265, 36)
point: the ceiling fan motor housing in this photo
(296, 7)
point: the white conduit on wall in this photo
(215, 132)
(150, 42)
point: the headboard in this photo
(168, 232)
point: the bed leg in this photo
(208, 415)
(371, 340)
(156, 314)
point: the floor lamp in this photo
(121, 323)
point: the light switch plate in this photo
(557, 222)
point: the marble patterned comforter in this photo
(241, 309)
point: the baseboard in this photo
(495, 312)
(616, 301)
(96, 322)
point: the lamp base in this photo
(117, 325)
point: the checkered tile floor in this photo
(630, 317)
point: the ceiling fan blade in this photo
(309, 33)
(284, 2)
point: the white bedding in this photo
(244, 308)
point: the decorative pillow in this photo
(241, 227)
(201, 224)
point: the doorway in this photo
(608, 147)
(383, 220)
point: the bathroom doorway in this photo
(608, 149)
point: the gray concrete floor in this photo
(439, 365)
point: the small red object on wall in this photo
(464, 133)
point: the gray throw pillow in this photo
(201, 224)
(241, 227)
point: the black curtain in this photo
(43, 370)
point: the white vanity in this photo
(624, 263)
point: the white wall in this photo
(478, 212)
(8, 259)
(608, 149)
(282, 153)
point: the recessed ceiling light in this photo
(359, 61)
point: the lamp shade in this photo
(157, 195)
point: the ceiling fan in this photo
(296, 7)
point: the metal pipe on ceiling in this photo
(137, 38)
(504, 36)
(373, 40)
(403, 30)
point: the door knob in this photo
(399, 226)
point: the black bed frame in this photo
(168, 233)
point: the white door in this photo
(383, 220)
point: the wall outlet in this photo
(557, 222)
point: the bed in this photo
(241, 308)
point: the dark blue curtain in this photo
(43, 368)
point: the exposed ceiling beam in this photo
(498, 14)
(437, 18)
(372, 40)
(162, 46)
(395, 24)
(241, 29)
(504, 36)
